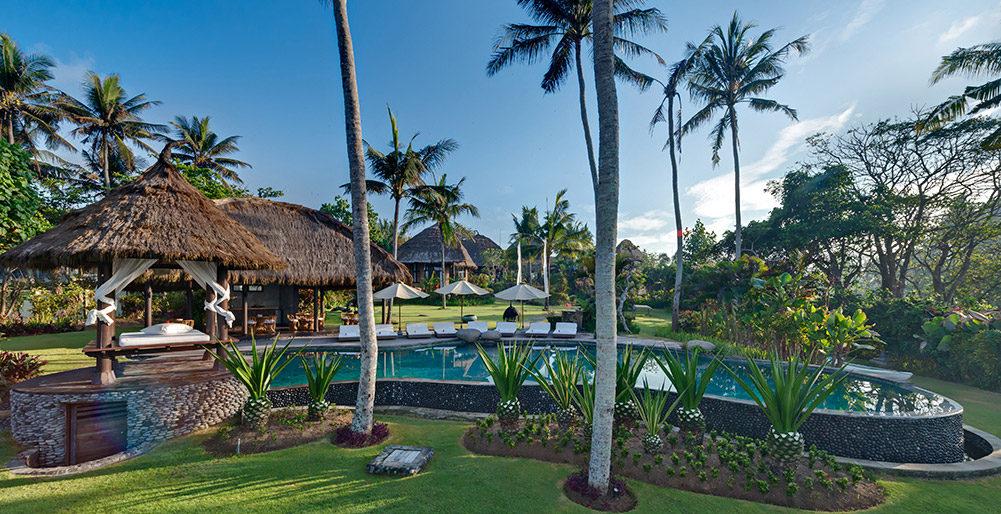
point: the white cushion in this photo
(507, 327)
(167, 328)
(347, 331)
(478, 325)
(141, 338)
(566, 328)
(444, 327)
(417, 328)
(541, 327)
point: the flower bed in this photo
(285, 429)
(719, 464)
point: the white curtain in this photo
(205, 274)
(124, 271)
(519, 263)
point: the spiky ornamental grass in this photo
(561, 385)
(627, 372)
(318, 378)
(583, 399)
(788, 400)
(256, 375)
(653, 414)
(509, 372)
(684, 374)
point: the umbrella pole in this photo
(399, 319)
(460, 310)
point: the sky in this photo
(268, 72)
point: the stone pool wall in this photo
(155, 413)
(918, 439)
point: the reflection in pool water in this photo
(460, 362)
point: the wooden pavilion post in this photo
(104, 374)
(148, 297)
(316, 309)
(243, 304)
(189, 311)
(222, 277)
(323, 312)
(211, 323)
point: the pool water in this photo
(462, 363)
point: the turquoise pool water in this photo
(461, 362)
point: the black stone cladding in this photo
(917, 439)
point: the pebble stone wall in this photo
(155, 413)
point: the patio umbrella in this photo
(521, 292)
(462, 288)
(401, 291)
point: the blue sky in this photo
(268, 71)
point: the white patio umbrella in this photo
(401, 291)
(521, 292)
(462, 288)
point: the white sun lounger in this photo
(349, 333)
(444, 329)
(478, 325)
(565, 330)
(507, 328)
(417, 330)
(539, 328)
(385, 331)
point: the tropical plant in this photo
(835, 335)
(736, 68)
(202, 148)
(973, 62)
(653, 412)
(109, 120)
(26, 100)
(787, 396)
(512, 367)
(583, 399)
(17, 367)
(20, 202)
(683, 372)
(566, 26)
(561, 234)
(255, 375)
(628, 369)
(318, 377)
(560, 383)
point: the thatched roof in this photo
(157, 216)
(476, 245)
(425, 248)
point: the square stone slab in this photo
(401, 460)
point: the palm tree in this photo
(526, 233)
(565, 26)
(679, 71)
(365, 402)
(735, 69)
(606, 218)
(562, 234)
(441, 203)
(202, 148)
(26, 109)
(109, 120)
(974, 62)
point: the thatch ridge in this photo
(475, 246)
(159, 215)
(425, 247)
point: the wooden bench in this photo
(645, 309)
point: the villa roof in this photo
(475, 246)
(159, 215)
(425, 248)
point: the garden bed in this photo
(285, 429)
(720, 464)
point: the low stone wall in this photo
(155, 413)
(917, 439)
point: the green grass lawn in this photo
(434, 313)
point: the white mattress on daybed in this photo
(139, 338)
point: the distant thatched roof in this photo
(425, 248)
(476, 245)
(157, 216)
(629, 251)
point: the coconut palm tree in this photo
(562, 234)
(566, 26)
(526, 233)
(974, 62)
(737, 68)
(679, 71)
(26, 109)
(202, 148)
(365, 402)
(441, 203)
(109, 120)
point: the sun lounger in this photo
(478, 325)
(144, 339)
(444, 329)
(417, 330)
(538, 329)
(349, 333)
(385, 331)
(507, 328)
(565, 330)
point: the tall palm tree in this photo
(982, 60)
(26, 109)
(736, 68)
(109, 120)
(202, 148)
(440, 203)
(368, 356)
(526, 233)
(562, 234)
(606, 219)
(566, 26)
(679, 71)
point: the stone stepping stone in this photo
(400, 460)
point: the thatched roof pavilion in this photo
(422, 254)
(476, 245)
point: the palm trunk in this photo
(441, 281)
(583, 120)
(678, 264)
(396, 247)
(363, 416)
(736, 178)
(104, 159)
(10, 129)
(606, 219)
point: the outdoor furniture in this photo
(267, 325)
(144, 339)
(539, 328)
(349, 333)
(349, 319)
(565, 330)
(385, 331)
(188, 322)
(507, 328)
(444, 329)
(418, 330)
(645, 309)
(478, 325)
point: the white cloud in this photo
(958, 28)
(68, 76)
(651, 230)
(650, 220)
(866, 10)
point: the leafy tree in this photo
(973, 62)
(202, 148)
(269, 192)
(737, 68)
(340, 209)
(701, 246)
(20, 203)
(526, 232)
(26, 100)
(209, 181)
(561, 234)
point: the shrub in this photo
(562, 383)
(14, 327)
(653, 412)
(509, 372)
(691, 385)
(344, 436)
(318, 377)
(17, 367)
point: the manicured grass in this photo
(432, 313)
(62, 351)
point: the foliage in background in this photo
(340, 209)
(20, 202)
(17, 367)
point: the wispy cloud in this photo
(865, 12)
(958, 28)
(67, 76)
(650, 220)
(651, 230)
